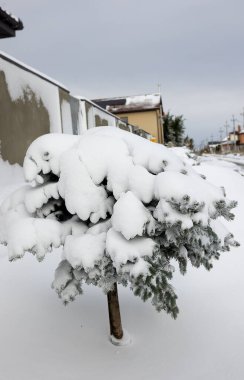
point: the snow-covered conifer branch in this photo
(121, 207)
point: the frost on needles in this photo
(121, 207)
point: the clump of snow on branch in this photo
(121, 207)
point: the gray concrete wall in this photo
(21, 122)
(29, 108)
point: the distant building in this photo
(234, 142)
(227, 145)
(9, 24)
(143, 111)
(241, 137)
(214, 146)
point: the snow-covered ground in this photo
(235, 158)
(40, 339)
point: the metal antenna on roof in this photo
(159, 88)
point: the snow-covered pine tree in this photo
(122, 208)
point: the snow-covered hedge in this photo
(121, 207)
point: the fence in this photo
(32, 104)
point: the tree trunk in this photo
(114, 313)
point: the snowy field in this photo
(43, 340)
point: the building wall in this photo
(241, 138)
(29, 108)
(160, 125)
(69, 110)
(96, 117)
(147, 120)
(21, 122)
(233, 137)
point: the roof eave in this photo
(6, 30)
(134, 109)
(9, 20)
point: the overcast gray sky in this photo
(193, 48)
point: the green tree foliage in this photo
(189, 142)
(173, 129)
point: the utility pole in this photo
(242, 114)
(211, 147)
(220, 133)
(226, 126)
(233, 119)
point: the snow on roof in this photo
(228, 142)
(214, 143)
(30, 69)
(130, 103)
(151, 99)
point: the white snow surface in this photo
(121, 251)
(148, 99)
(45, 340)
(10, 175)
(234, 158)
(130, 217)
(76, 248)
(44, 154)
(34, 235)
